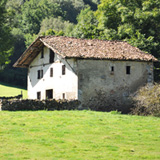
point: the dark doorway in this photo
(49, 94)
(51, 57)
(38, 95)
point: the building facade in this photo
(88, 70)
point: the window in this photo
(38, 95)
(51, 72)
(63, 95)
(42, 53)
(38, 77)
(49, 94)
(128, 69)
(112, 68)
(40, 74)
(63, 69)
(51, 57)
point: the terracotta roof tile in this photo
(84, 48)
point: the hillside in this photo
(77, 135)
(9, 90)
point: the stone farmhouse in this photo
(88, 70)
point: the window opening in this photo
(38, 95)
(63, 95)
(49, 94)
(38, 77)
(40, 74)
(51, 58)
(112, 68)
(128, 69)
(63, 69)
(51, 72)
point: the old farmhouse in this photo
(87, 70)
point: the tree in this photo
(135, 21)
(87, 25)
(56, 24)
(34, 11)
(5, 36)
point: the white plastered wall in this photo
(61, 84)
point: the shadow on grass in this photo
(10, 85)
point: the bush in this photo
(25, 105)
(147, 101)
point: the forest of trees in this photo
(21, 21)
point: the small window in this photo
(51, 72)
(40, 74)
(42, 53)
(128, 69)
(63, 95)
(38, 95)
(112, 68)
(63, 69)
(49, 94)
(51, 57)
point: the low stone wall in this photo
(13, 97)
(26, 105)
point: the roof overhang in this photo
(30, 53)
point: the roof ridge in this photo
(48, 36)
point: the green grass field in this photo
(7, 90)
(78, 135)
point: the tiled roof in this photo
(84, 48)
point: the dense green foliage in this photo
(87, 25)
(5, 36)
(137, 22)
(76, 135)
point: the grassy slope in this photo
(7, 90)
(78, 135)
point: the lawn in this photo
(78, 135)
(8, 90)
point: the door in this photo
(49, 94)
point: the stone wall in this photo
(25, 105)
(105, 83)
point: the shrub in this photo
(147, 101)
